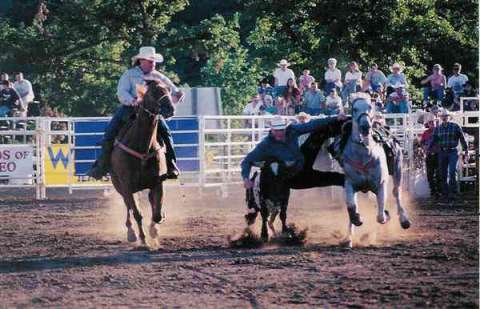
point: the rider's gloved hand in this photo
(247, 183)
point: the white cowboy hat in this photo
(396, 66)
(278, 123)
(148, 53)
(283, 62)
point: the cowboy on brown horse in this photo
(128, 85)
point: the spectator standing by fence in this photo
(292, 96)
(333, 104)
(264, 88)
(314, 100)
(435, 85)
(398, 101)
(305, 81)
(353, 81)
(446, 137)
(9, 99)
(25, 90)
(282, 75)
(396, 77)
(457, 80)
(3, 77)
(333, 76)
(431, 155)
(375, 79)
(254, 107)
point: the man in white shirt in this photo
(457, 80)
(25, 90)
(282, 74)
(333, 76)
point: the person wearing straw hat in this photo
(282, 144)
(446, 137)
(129, 87)
(282, 74)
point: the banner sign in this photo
(16, 161)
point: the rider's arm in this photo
(124, 90)
(313, 125)
(256, 155)
(169, 83)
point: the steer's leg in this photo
(264, 213)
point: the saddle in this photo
(380, 134)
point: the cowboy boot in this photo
(102, 166)
(172, 169)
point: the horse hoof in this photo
(347, 243)
(385, 218)
(131, 236)
(354, 217)
(405, 224)
(250, 218)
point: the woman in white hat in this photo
(130, 82)
(282, 144)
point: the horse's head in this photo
(157, 99)
(362, 115)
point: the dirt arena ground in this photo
(71, 252)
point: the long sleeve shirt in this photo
(287, 151)
(447, 135)
(9, 98)
(25, 90)
(127, 85)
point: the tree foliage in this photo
(75, 51)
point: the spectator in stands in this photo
(305, 81)
(377, 101)
(254, 107)
(314, 100)
(293, 96)
(9, 99)
(269, 107)
(280, 106)
(353, 81)
(3, 77)
(291, 110)
(396, 77)
(333, 105)
(375, 78)
(435, 85)
(333, 76)
(264, 88)
(398, 101)
(446, 137)
(431, 155)
(282, 75)
(457, 81)
(25, 90)
(470, 92)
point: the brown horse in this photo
(138, 160)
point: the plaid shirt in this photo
(447, 135)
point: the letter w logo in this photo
(59, 156)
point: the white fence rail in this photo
(222, 143)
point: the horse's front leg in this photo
(130, 202)
(264, 213)
(155, 197)
(283, 217)
(131, 236)
(402, 213)
(354, 216)
(382, 216)
(271, 221)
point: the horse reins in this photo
(156, 146)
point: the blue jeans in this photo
(329, 87)
(120, 118)
(447, 165)
(437, 94)
(4, 111)
(376, 87)
(278, 91)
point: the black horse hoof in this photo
(250, 218)
(355, 217)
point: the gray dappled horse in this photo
(365, 166)
(269, 196)
(138, 160)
